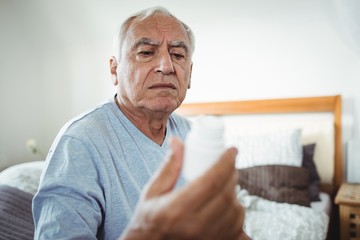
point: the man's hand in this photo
(206, 208)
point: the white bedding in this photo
(268, 220)
(324, 205)
(265, 220)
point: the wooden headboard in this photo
(329, 104)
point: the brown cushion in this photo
(314, 178)
(280, 183)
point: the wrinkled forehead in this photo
(158, 27)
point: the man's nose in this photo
(165, 64)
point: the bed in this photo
(259, 122)
(290, 162)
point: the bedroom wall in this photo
(54, 58)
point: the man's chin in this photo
(163, 105)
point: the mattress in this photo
(324, 205)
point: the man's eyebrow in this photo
(151, 42)
(179, 44)
(145, 41)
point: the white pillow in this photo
(24, 176)
(282, 147)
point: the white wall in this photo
(54, 58)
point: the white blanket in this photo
(268, 220)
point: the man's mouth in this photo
(162, 86)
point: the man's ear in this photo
(189, 85)
(113, 67)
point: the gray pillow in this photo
(314, 178)
(16, 220)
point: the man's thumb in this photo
(166, 177)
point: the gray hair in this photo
(121, 33)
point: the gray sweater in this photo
(94, 173)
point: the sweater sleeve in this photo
(69, 203)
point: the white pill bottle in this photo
(203, 146)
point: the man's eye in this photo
(146, 53)
(178, 56)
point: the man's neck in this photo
(153, 125)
